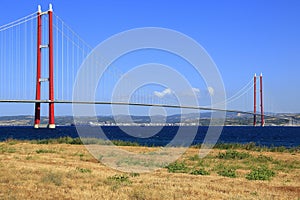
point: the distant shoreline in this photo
(43, 126)
(251, 146)
(192, 119)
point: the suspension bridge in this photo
(40, 56)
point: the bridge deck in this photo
(128, 104)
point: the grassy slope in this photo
(64, 171)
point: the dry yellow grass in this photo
(62, 171)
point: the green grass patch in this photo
(79, 141)
(252, 146)
(177, 167)
(227, 171)
(260, 173)
(200, 172)
(257, 160)
(232, 154)
(61, 140)
(228, 146)
(286, 166)
(45, 151)
(7, 149)
(119, 178)
(124, 143)
(247, 146)
(83, 170)
(194, 158)
(117, 181)
(263, 159)
(28, 157)
(134, 174)
(11, 141)
(278, 149)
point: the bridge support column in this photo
(261, 102)
(51, 85)
(37, 117)
(254, 101)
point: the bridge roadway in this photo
(130, 104)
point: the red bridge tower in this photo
(39, 79)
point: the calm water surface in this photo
(266, 136)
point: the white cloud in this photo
(163, 93)
(211, 91)
(196, 90)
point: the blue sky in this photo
(242, 37)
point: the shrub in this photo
(124, 143)
(251, 146)
(232, 154)
(278, 149)
(45, 151)
(200, 172)
(177, 167)
(69, 140)
(61, 140)
(263, 158)
(228, 146)
(83, 170)
(194, 158)
(11, 141)
(228, 172)
(117, 180)
(247, 146)
(134, 174)
(260, 173)
(5, 149)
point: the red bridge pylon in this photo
(261, 101)
(39, 79)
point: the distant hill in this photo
(178, 119)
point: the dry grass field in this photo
(65, 171)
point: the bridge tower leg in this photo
(261, 102)
(37, 117)
(51, 85)
(254, 100)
